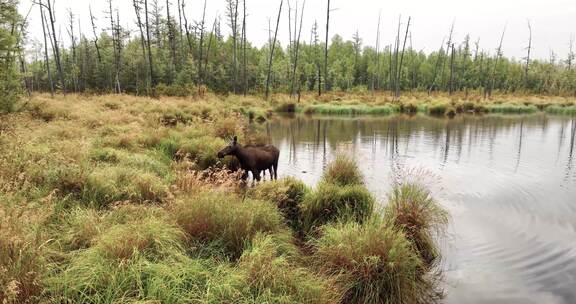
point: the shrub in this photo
(373, 262)
(223, 223)
(412, 209)
(288, 194)
(343, 171)
(332, 203)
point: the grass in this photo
(561, 110)
(113, 199)
(333, 109)
(412, 209)
(224, 224)
(288, 195)
(510, 108)
(343, 171)
(330, 203)
(372, 262)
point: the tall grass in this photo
(511, 108)
(288, 195)
(412, 209)
(331, 203)
(222, 224)
(343, 171)
(330, 109)
(569, 110)
(374, 263)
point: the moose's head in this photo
(230, 149)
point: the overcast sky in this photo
(553, 21)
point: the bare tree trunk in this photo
(95, 36)
(56, 47)
(296, 52)
(326, 85)
(150, 65)
(73, 41)
(448, 45)
(171, 36)
(244, 70)
(399, 74)
(212, 33)
(376, 79)
(272, 47)
(180, 19)
(451, 88)
(46, 58)
(436, 68)
(528, 57)
(498, 55)
(137, 10)
(187, 30)
(396, 53)
(201, 44)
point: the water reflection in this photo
(508, 181)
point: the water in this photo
(509, 183)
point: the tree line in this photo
(169, 54)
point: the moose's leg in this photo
(245, 175)
(256, 174)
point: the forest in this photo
(166, 53)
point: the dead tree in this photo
(376, 79)
(51, 14)
(452, 57)
(115, 46)
(571, 55)
(244, 61)
(448, 45)
(497, 60)
(399, 73)
(326, 87)
(232, 7)
(73, 42)
(526, 69)
(272, 47)
(212, 33)
(95, 35)
(202, 29)
(180, 19)
(137, 9)
(46, 58)
(394, 66)
(436, 67)
(171, 36)
(150, 65)
(296, 52)
(187, 30)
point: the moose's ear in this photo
(235, 139)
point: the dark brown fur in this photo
(253, 159)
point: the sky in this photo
(553, 21)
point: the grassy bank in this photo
(436, 105)
(121, 199)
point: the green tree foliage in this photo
(204, 57)
(10, 27)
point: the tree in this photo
(10, 85)
(272, 47)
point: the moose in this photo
(253, 158)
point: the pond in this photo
(509, 183)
